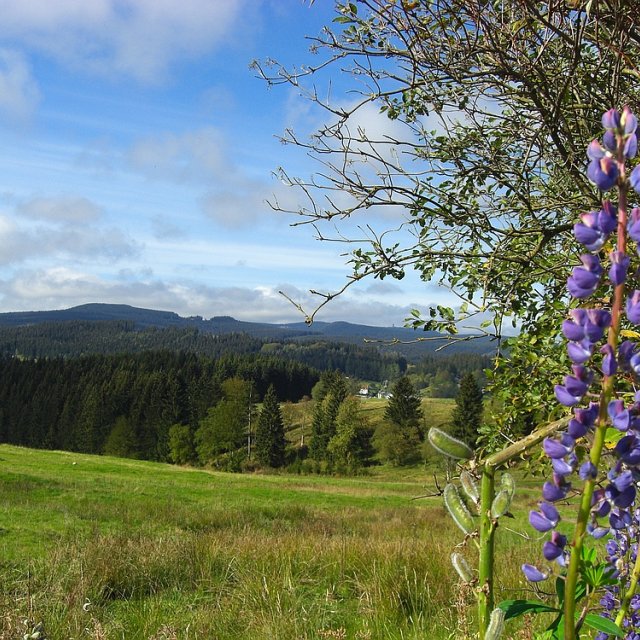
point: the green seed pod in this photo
(507, 483)
(501, 503)
(458, 510)
(470, 486)
(461, 565)
(496, 625)
(448, 445)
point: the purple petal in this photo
(628, 121)
(539, 522)
(595, 150)
(551, 551)
(564, 397)
(561, 467)
(552, 492)
(579, 352)
(634, 179)
(631, 146)
(588, 471)
(603, 173)
(633, 305)
(573, 331)
(609, 364)
(611, 119)
(532, 574)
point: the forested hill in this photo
(72, 339)
(398, 340)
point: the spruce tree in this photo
(270, 440)
(398, 437)
(333, 391)
(466, 417)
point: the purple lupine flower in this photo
(545, 519)
(628, 450)
(579, 352)
(597, 532)
(610, 141)
(620, 498)
(584, 280)
(609, 363)
(587, 470)
(595, 150)
(619, 415)
(556, 489)
(564, 397)
(619, 267)
(558, 448)
(532, 574)
(554, 549)
(619, 518)
(572, 330)
(633, 227)
(633, 306)
(634, 179)
(628, 121)
(623, 480)
(594, 229)
(611, 119)
(562, 467)
(603, 173)
(630, 146)
(597, 320)
(626, 351)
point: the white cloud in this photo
(61, 209)
(138, 38)
(196, 156)
(19, 93)
(63, 287)
(19, 243)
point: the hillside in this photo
(397, 340)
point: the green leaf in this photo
(515, 608)
(599, 623)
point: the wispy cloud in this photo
(19, 93)
(138, 38)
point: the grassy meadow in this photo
(107, 548)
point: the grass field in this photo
(98, 547)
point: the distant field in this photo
(98, 547)
(298, 417)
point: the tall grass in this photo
(108, 548)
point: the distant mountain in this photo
(384, 338)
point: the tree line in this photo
(126, 404)
(75, 338)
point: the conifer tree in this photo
(398, 437)
(270, 440)
(333, 391)
(466, 417)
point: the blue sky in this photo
(136, 157)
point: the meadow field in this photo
(98, 547)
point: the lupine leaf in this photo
(515, 608)
(599, 623)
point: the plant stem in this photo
(487, 526)
(629, 593)
(485, 562)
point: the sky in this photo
(137, 158)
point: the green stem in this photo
(485, 562)
(487, 526)
(629, 593)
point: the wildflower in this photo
(533, 574)
(584, 280)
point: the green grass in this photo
(153, 551)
